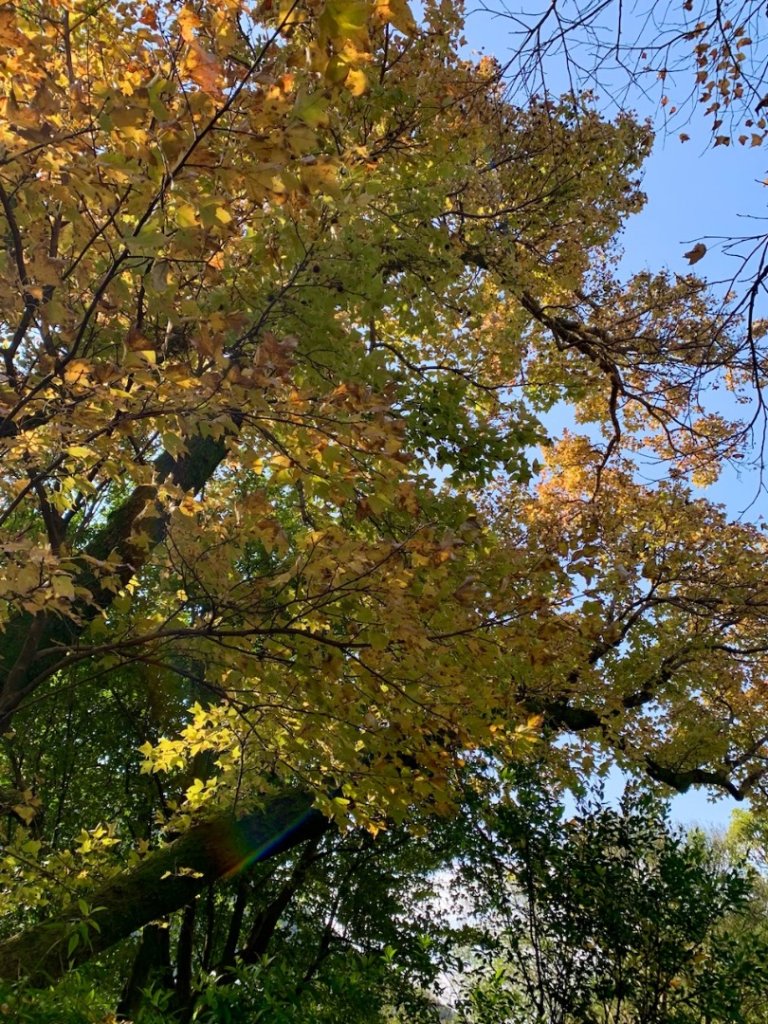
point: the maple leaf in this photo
(203, 68)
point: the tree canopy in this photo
(289, 295)
(606, 915)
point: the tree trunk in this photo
(267, 921)
(35, 646)
(163, 883)
(152, 959)
(183, 1002)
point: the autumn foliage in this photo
(288, 292)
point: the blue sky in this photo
(694, 192)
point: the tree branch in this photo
(131, 531)
(162, 883)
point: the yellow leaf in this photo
(77, 371)
(188, 506)
(139, 358)
(63, 586)
(186, 216)
(356, 82)
(25, 813)
(188, 22)
(398, 13)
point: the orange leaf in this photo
(149, 17)
(204, 69)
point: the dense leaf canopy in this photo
(289, 293)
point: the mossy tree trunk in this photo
(164, 882)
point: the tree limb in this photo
(162, 883)
(131, 531)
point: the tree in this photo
(268, 274)
(610, 915)
(693, 65)
(349, 925)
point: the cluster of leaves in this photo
(513, 911)
(264, 268)
(611, 915)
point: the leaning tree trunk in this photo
(164, 882)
